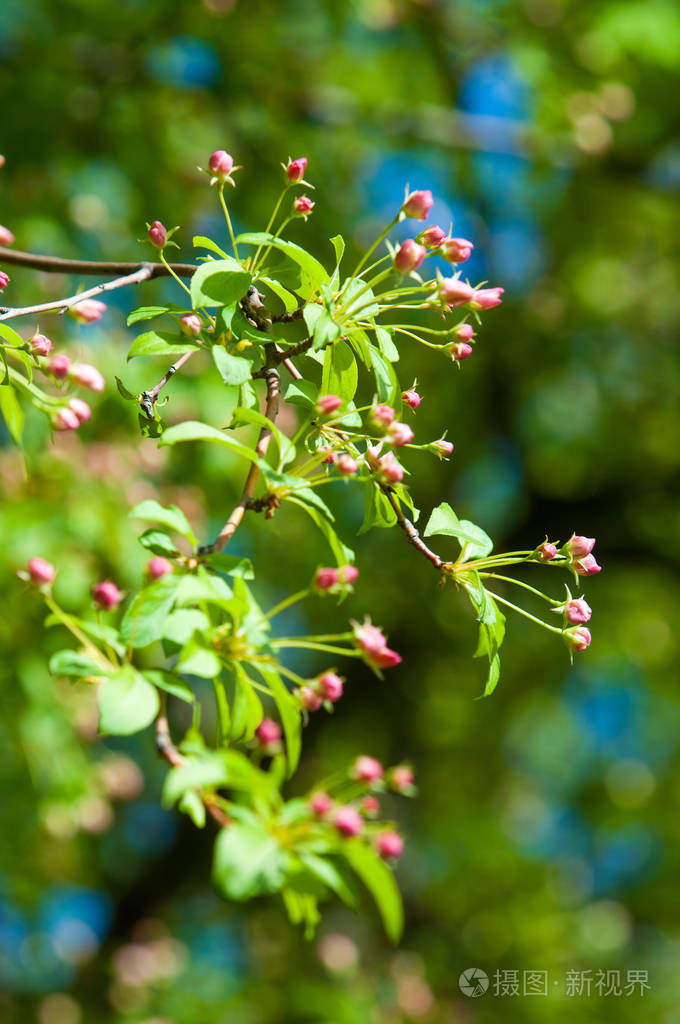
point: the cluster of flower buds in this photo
(453, 292)
(453, 250)
(324, 691)
(372, 643)
(328, 580)
(577, 551)
(396, 433)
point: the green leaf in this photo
(208, 770)
(127, 703)
(158, 542)
(321, 325)
(248, 862)
(289, 300)
(171, 683)
(160, 343)
(77, 663)
(474, 541)
(232, 565)
(363, 305)
(193, 431)
(331, 875)
(170, 516)
(385, 377)
(203, 586)
(315, 270)
(198, 660)
(378, 512)
(379, 881)
(341, 552)
(123, 391)
(12, 413)
(234, 370)
(302, 392)
(219, 283)
(340, 373)
(181, 625)
(144, 620)
(246, 712)
(338, 243)
(11, 336)
(201, 242)
(387, 346)
(493, 677)
(145, 313)
(242, 417)
(192, 805)
(290, 715)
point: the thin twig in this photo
(147, 399)
(412, 534)
(59, 265)
(142, 273)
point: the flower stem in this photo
(228, 219)
(527, 615)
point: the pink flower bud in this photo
(442, 448)
(409, 256)
(587, 566)
(295, 169)
(546, 552)
(456, 250)
(87, 376)
(106, 595)
(4, 279)
(454, 292)
(418, 204)
(326, 579)
(330, 686)
(327, 450)
(381, 416)
(432, 237)
(303, 206)
(158, 567)
(459, 351)
(578, 638)
(2, 160)
(40, 571)
(390, 471)
(59, 366)
(463, 332)
(487, 298)
(390, 845)
(268, 733)
(320, 804)
(347, 574)
(387, 658)
(328, 404)
(221, 164)
(81, 409)
(402, 778)
(577, 611)
(399, 434)
(370, 805)
(348, 821)
(309, 700)
(346, 465)
(66, 419)
(158, 234)
(367, 769)
(88, 311)
(412, 398)
(579, 547)
(40, 344)
(6, 236)
(369, 638)
(191, 324)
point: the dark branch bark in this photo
(58, 265)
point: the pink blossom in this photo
(456, 250)
(66, 419)
(328, 451)
(409, 256)
(454, 292)
(6, 236)
(387, 658)
(367, 769)
(295, 169)
(432, 237)
(587, 566)
(487, 298)
(577, 611)
(346, 465)
(40, 344)
(348, 821)
(309, 699)
(191, 324)
(158, 235)
(370, 805)
(325, 579)
(459, 351)
(221, 164)
(328, 404)
(4, 279)
(401, 778)
(417, 204)
(399, 434)
(81, 409)
(268, 733)
(381, 416)
(40, 571)
(320, 804)
(463, 332)
(547, 551)
(330, 686)
(59, 366)
(107, 595)
(158, 567)
(442, 448)
(412, 398)
(347, 574)
(579, 547)
(87, 376)
(578, 638)
(368, 637)
(88, 311)
(390, 471)
(390, 845)
(303, 206)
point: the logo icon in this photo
(473, 982)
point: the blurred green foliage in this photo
(545, 835)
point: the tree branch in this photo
(411, 532)
(167, 749)
(147, 399)
(59, 265)
(143, 273)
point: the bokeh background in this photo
(546, 835)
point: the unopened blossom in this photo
(268, 733)
(389, 470)
(381, 416)
(191, 324)
(295, 169)
(463, 332)
(326, 579)
(157, 234)
(390, 845)
(59, 366)
(387, 658)
(453, 291)
(328, 451)
(65, 419)
(367, 769)
(578, 638)
(107, 595)
(547, 551)
(442, 448)
(88, 311)
(346, 465)
(402, 778)
(587, 566)
(320, 804)
(6, 236)
(409, 256)
(87, 376)
(158, 567)
(579, 547)
(348, 821)
(412, 398)
(330, 686)
(432, 237)
(459, 350)
(81, 409)
(4, 279)
(456, 250)
(309, 699)
(303, 206)
(417, 204)
(370, 805)
(399, 434)
(369, 638)
(40, 571)
(40, 344)
(487, 298)
(328, 404)
(577, 611)
(221, 165)
(347, 574)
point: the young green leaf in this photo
(340, 373)
(158, 542)
(160, 343)
(219, 283)
(193, 431)
(144, 620)
(127, 702)
(78, 664)
(198, 660)
(379, 881)
(12, 413)
(170, 516)
(315, 270)
(249, 861)
(233, 370)
(474, 541)
(145, 313)
(289, 712)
